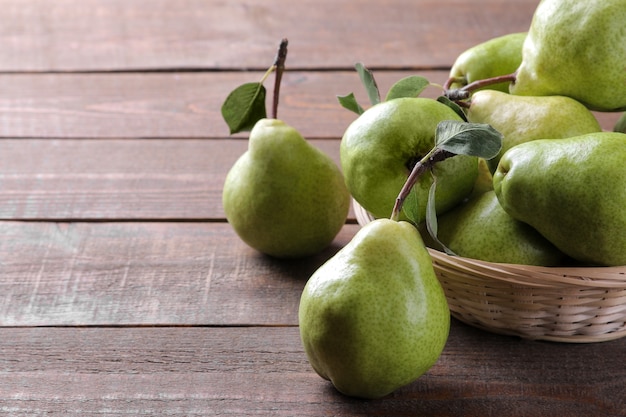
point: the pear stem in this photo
(426, 163)
(452, 80)
(279, 66)
(465, 91)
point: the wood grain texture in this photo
(119, 179)
(263, 371)
(105, 35)
(123, 291)
(181, 105)
(57, 274)
(174, 105)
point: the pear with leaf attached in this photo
(379, 149)
(576, 48)
(572, 192)
(374, 317)
(285, 197)
(524, 118)
(495, 57)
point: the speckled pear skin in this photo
(576, 48)
(572, 191)
(283, 196)
(523, 118)
(495, 57)
(374, 317)
(481, 229)
(380, 147)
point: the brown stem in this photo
(279, 63)
(450, 81)
(489, 81)
(465, 91)
(422, 166)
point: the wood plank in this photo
(129, 273)
(119, 179)
(263, 371)
(180, 105)
(104, 35)
(173, 105)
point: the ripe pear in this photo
(283, 196)
(481, 229)
(572, 192)
(374, 317)
(576, 49)
(620, 124)
(497, 56)
(379, 149)
(524, 118)
(484, 181)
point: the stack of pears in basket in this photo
(509, 172)
(559, 202)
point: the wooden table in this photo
(124, 291)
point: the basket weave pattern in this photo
(580, 305)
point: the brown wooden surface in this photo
(123, 290)
(117, 179)
(188, 371)
(95, 35)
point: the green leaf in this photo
(411, 208)
(458, 110)
(349, 102)
(431, 217)
(367, 78)
(411, 86)
(244, 106)
(475, 139)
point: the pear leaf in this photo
(349, 102)
(411, 86)
(445, 100)
(410, 207)
(244, 106)
(367, 78)
(474, 139)
(431, 217)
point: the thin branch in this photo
(279, 64)
(422, 166)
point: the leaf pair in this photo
(460, 138)
(411, 86)
(452, 138)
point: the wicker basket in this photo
(578, 305)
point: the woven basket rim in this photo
(538, 276)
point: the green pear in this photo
(576, 48)
(572, 192)
(283, 196)
(379, 149)
(495, 57)
(481, 229)
(374, 317)
(484, 181)
(524, 118)
(620, 124)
